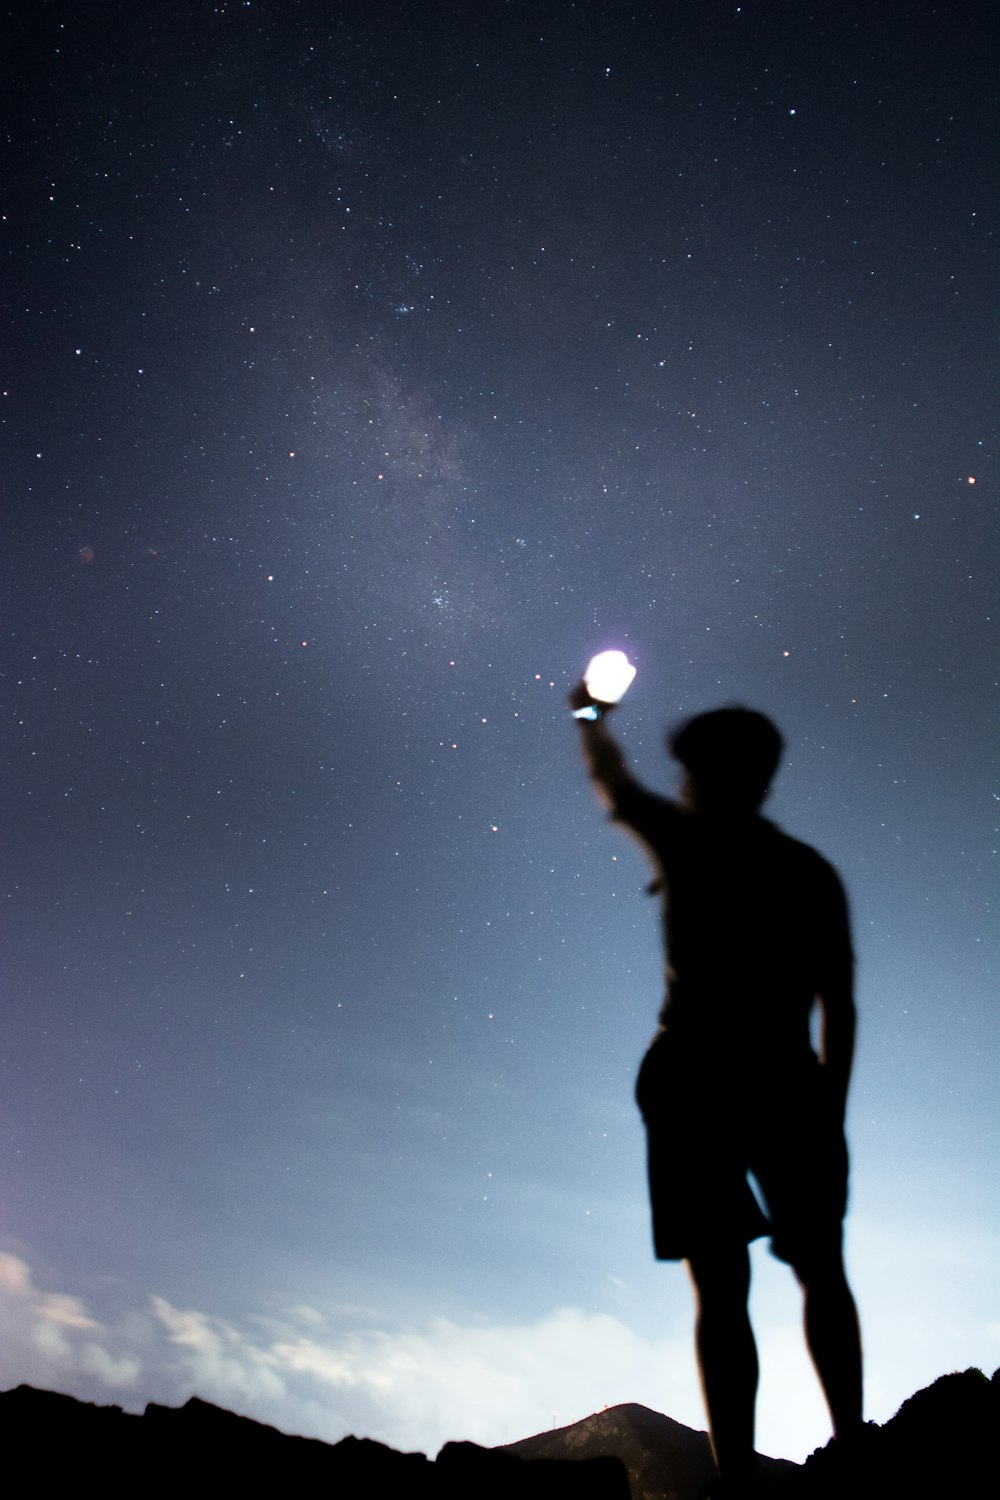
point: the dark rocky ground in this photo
(664, 1460)
(940, 1444)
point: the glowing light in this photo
(609, 676)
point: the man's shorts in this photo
(709, 1128)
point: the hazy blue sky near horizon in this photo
(367, 368)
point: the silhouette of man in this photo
(757, 933)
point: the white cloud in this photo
(14, 1276)
(220, 1362)
(52, 1344)
(191, 1328)
(69, 1311)
(116, 1374)
(307, 1317)
(417, 1386)
(42, 1340)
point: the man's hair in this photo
(731, 754)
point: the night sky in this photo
(367, 367)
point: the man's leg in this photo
(727, 1355)
(833, 1336)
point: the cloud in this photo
(308, 1317)
(219, 1360)
(42, 1343)
(419, 1385)
(191, 1328)
(414, 1387)
(69, 1311)
(114, 1373)
(14, 1276)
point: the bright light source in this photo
(608, 676)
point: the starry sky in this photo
(367, 367)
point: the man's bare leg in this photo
(834, 1337)
(727, 1356)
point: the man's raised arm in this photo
(602, 754)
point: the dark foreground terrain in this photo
(941, 1443)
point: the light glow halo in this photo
(608, 676)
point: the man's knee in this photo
(819, 1265)
(720, 1273)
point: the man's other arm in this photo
(836, 1050)
(838, 1014)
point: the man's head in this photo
(730, 756)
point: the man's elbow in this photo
(836, 1000)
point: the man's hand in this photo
(581, 697)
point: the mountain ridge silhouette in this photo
(940, 1443)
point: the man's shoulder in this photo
(794, 847)
(801, 857)
(634, 803)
